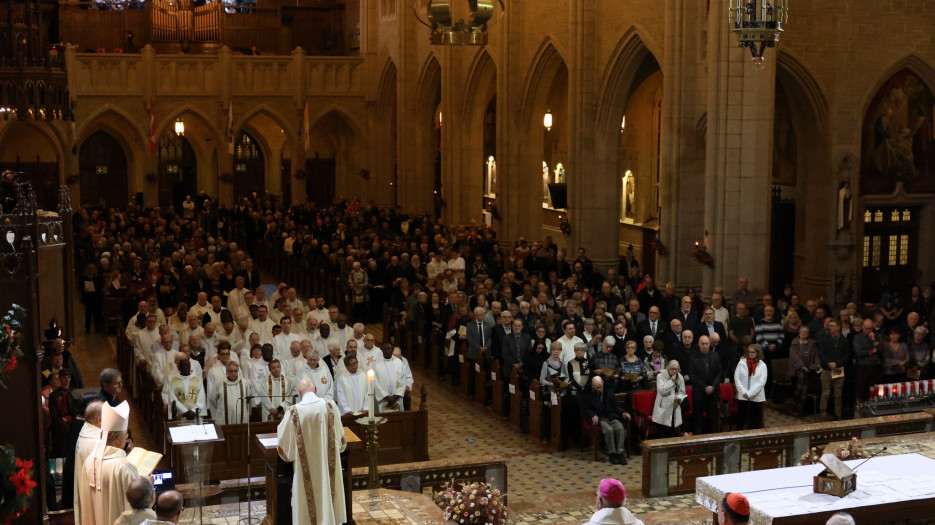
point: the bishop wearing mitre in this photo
(107, 474)
(310, 434)
(186, 393)
(389, 387)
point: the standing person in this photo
(87, 442)
(311, 435)
(600, 409)
(750, 381)
(803, 358)
(734, 509)
(833, 351)
(608, 505)
(107, 474)
(670, 392)
(868, 353)
(706, 374)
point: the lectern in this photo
(192, 446)
(279, 477)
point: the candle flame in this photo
(370, 374)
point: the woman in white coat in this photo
(670, 392)
(750, 381)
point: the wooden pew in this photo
(480, 378)
(555, 434)
(516, 400)
(404, 438)
(433, 354)
(464, 370)
(535, 409)
(496, 389)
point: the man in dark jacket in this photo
(600, 409)
(705, 372)
(833, 352)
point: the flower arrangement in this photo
(474, 503)
(660, 248)
(16, 484)
(701, 255)
(11, 326)
(853, 449)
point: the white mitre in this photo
(113, 419)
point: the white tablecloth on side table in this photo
(785, 492)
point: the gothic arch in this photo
(48, 129)
(430, 81)
(273, 114)
(801, 83)
(209, 123)
(482, 76)
(344, 115)
(387, 84)
(620, 80)
(118, 124)
(918, 66)
(545, 66)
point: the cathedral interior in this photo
(638, 126)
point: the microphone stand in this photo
(249, 400)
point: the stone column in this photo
(594, 216)
(738, 161)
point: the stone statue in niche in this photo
(845, 206)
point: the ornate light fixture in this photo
(179, 127)
(547, 120)
(472, 32)
(758, 23)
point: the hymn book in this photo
(144, 460)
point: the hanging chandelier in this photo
(758, 23)
(470, 29)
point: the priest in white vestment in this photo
(315, 370)
(311, 435)
(263, 325)
(186, 393)
(217, 374)
(230, 398)
(107, 472)
(284, 340)
(388, 387)
(368, 353)
(274, 393)
(407, 378)
(351, 387)
(143, 347)
(87, 441)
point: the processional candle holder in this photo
(373, 446)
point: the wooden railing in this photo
(692, 457)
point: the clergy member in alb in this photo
(185, 393)
(311, 435)
(230, 398)
(274, 393)
(389, 387)
(351, 387)
(87, 442)
(108, 474)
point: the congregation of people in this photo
(201, 324)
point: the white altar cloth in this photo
(786, 492)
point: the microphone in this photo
(868, 459)
(198, 414)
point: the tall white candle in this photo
(370, 394)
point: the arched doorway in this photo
(178, 170)
(249, 167)
(27, 149)
(102, 169)
(334, 167)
